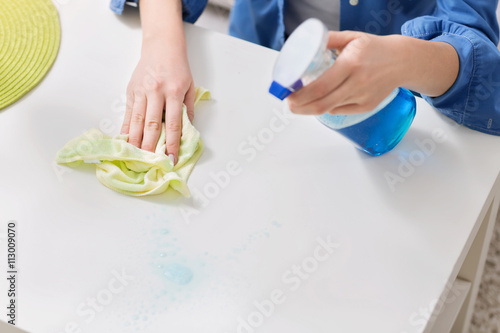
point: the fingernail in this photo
(172, 157)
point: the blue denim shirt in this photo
(191, 9)
(470, 26)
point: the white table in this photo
(396, 249)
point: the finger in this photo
(189, 101)
(344, 95)
(339, 39)
(173, 127)
(152, 125)
(128, 114)
(349, 109)
(333, 78)
(356, 103)
(137, 119)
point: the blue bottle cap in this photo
(279, 91)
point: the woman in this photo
(444, 50)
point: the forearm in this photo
(161, 82)
(432, 67)
(162, 27)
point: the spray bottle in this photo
(304, 57)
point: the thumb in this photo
(339, 39)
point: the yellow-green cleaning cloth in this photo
(129, 170)
(30, 35)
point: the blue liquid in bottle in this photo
(383, 130)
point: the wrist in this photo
(161, 48)
(432, 66)
(166, 41)
(404, 68)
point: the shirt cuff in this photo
(117, 5)
(452, 103)
(473, 100)
(192, 9)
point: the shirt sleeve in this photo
(117, 5)
(191, 9)
(471, 27)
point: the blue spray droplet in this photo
(178, 274)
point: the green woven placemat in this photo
(29, 41)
